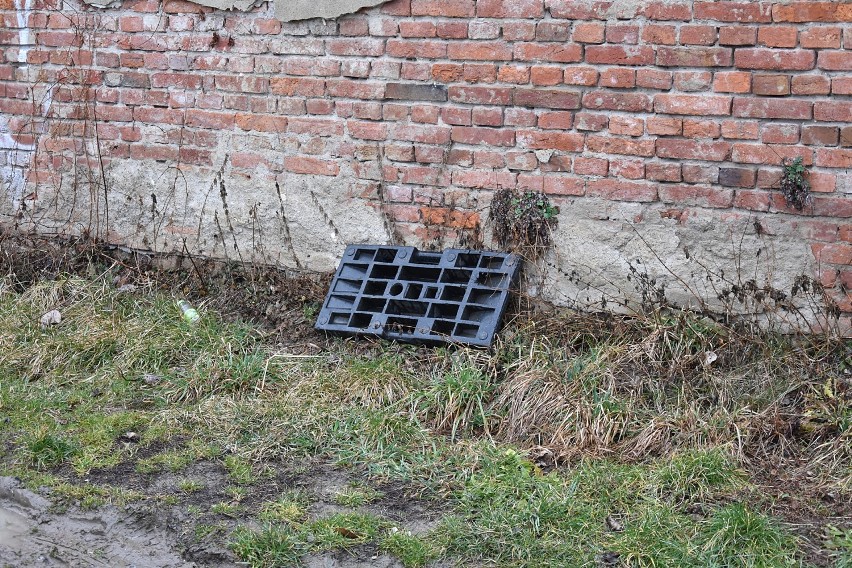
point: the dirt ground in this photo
(151, 533)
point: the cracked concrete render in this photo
(284, 10)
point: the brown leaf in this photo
(346, 533)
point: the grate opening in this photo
(420, 257)
(445, 311)
(413, 291)
(385, 271)
(401, 325)
(360, 320)
(419, 274)
(375, 288)
(375, 305)
(407, 308)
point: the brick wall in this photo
(667, 120)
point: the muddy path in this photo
(33, 534)
(161, 531)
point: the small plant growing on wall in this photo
(794, 185)
(523, 221)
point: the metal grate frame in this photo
(395, 292)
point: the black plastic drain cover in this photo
(454, 296)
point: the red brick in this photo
(696, 196)
(518, 31)
(810, 85)
(487, 116)
(694, 56)
(693, 81)
(813, 12)
(623, 146)
(762, 154)
(820, 38)
(775, 59)
(550, 140)
(777, 36)
(665, 126)
(626, 125)
(412, 49)
(481, 95)
(835, 60)
(697, 35)
(553, 30)
(666, 10)
(576, 75)
(830, 111)
(622, 33)
(546, 76)
(417, 29)
(397, 8)
(780, 133)
(587, 121)
(841, 86)
(737, 35)
(732, 82)
(510, 8)
(833, 158)
(261, 123)
(316, 126)
(524, 161)
(822, 182)
(209, 119)
(772, 108)
(694, 173)
(363, 47)
(712, 151)
(573, 10)
(447, 29)
(516, 74)
(618, 78)
(308, 165)
(737, 177)
(559, 53)
(479, 72)
(617, 190)
(661, 171)
(771, 85)
(447, 72)
(733, 11)
(834, 253)
(443, 8)
(480, 50)
(590, 166)
(813, 135)
(564, 185)
(605, 100)
(846, 136)
(589, 32)
(701, 128)
(703, 105)
(620, 55)
(653, 79)
(556, 120)
(547, 98)
(659, 34)
(480, 136)
(627, 168)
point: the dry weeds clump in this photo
(572, 425)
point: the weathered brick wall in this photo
(658, 127)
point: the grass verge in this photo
(579, 441)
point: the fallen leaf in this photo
(346, 533)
